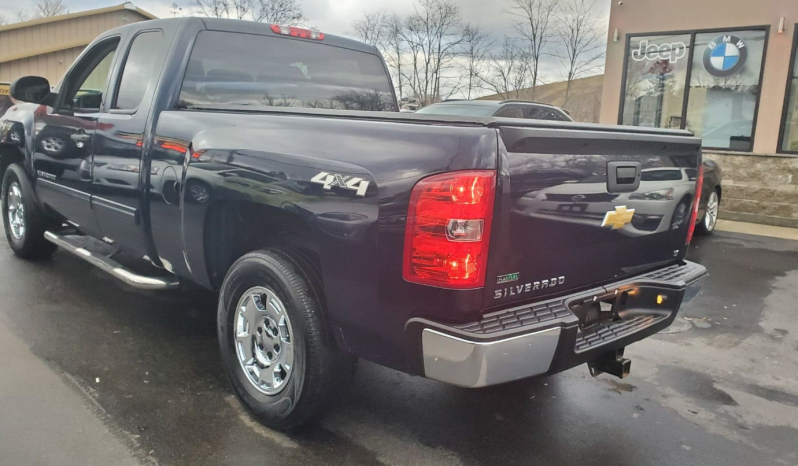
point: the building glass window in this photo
(656, 72)
(789, 141)
(724, 73)
(724, 88)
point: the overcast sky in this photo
(336, 16)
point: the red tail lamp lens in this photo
(699, 186)
(448, 229)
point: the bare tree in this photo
(3, 20)
(213, 8)
(41, 9)
(509, 70)
(174, 8)
(582, 41)
(385, 31)
(433, 34)
(283, 12)
(476, 46)
(371, 28)
(535, 21)
(241, 9)
(48, 9)
(394, 51)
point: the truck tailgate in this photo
(578, 208)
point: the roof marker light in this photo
(297, 32)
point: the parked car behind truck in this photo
(269, 164)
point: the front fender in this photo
(17, 130)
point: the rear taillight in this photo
(448, 229)
(298, 32)
(699, 186)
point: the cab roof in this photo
(243, 27)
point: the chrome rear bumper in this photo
(549, 338)
(475, 364)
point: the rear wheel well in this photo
(233, 229)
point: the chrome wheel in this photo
(711, 216)
(264, 340)
(16, 211)
(52, 144)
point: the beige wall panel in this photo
(35, 40)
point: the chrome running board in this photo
(105, 263)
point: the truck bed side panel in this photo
(271, 160)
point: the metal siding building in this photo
(47, 47)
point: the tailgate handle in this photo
(623, 177)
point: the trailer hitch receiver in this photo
(612, 363)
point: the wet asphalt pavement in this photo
(719, 387)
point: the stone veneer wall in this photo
(758, 188)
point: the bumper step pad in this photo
(611, 331)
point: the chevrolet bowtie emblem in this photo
(618, 218)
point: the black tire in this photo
(320, 371)
(681, 215)
(704, 227)
(31, 244)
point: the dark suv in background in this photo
(498, 108)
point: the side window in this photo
(138, 70)
(510, 112)
(85, 85)
(542, 113)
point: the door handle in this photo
(80, 137)
(623, 177)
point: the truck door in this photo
(63, 137)
(120, 170)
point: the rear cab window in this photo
(138, 71)
(235, 69)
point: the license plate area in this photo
(578, 208)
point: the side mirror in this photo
(33, 89)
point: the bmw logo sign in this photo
(725, 56)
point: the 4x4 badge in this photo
(342, 181)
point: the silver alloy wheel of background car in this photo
(199, 193)
(264, 340)
(16, 211)
(711, 215)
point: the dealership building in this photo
(725, 70)
(47, 46)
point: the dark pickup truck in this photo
(269, 164)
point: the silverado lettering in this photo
(528, 288)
